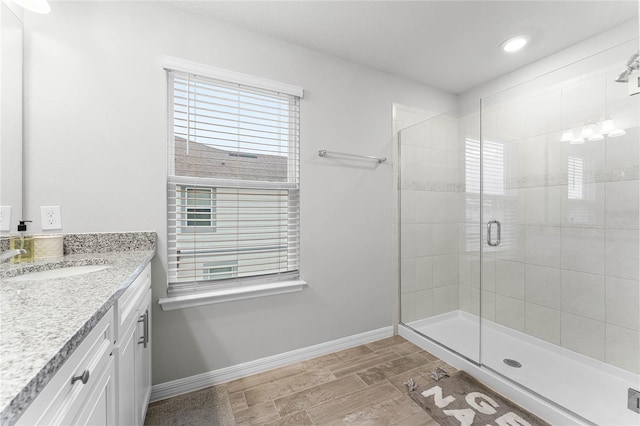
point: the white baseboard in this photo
(223, 375)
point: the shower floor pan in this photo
(589, 388)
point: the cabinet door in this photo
(126, 378)
(143, 359)
(100, 407)
(74, 387)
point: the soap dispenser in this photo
(22, 241)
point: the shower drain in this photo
(512, 363)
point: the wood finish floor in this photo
(360, 385)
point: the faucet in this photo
(9, 254)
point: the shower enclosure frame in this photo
(507, 385)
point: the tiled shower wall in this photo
(430, 194)
(567, 268)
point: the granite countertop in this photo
(42, 322)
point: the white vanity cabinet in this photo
(133, 349)
(83, 390)
(143, 361)
(107, 379)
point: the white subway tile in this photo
(532, 157)
(509, 123)
(593, 155)
(510, 278)
(424, 304)
(543, 245)
(623, 348)
(583, 335)
(408, 275)
(583, 294)
(622, 204)
(488, 273)
(623, 302)
(583, 250)
(445, 299)
(543, 205)
(513, 247)
(622, 253)
(543, 323)
(622, 153)
(408, 241)
(408, 205)
(423, 240)
(464, 269)
(407, 307)
(543, 286)
(445, 270)
(424, 272)
(510, 312)
(445, 238)
(464, 295)
(587, 211)
(488, 305)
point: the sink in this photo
(57, 273)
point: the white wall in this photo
(95, 142)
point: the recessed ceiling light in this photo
(515, 43)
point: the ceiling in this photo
(451, 45)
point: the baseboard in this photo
(201, 381)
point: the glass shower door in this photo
(439, 250)
(560, 233)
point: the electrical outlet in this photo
(5, 218)
(50, 217)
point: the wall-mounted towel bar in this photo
(324, 152)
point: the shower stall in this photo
(518, 239)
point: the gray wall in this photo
(95, 141)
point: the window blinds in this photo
(233, 183)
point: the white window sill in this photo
(230, 294)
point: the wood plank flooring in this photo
(360, 385)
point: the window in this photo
(217, 270)
(233, 181)
(199, 207)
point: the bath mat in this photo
(460, 399)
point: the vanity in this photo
(76, 349)
(75, 332)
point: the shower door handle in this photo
(489, 238)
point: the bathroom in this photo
(95, 137)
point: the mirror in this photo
(10, 118)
